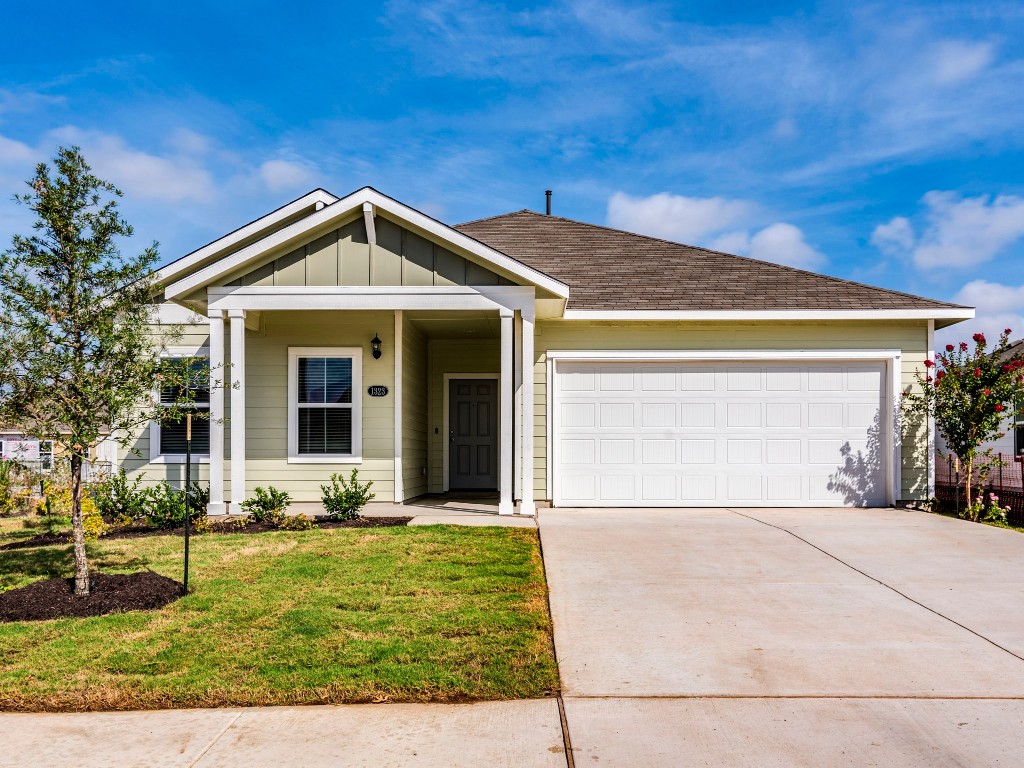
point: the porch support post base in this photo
(216, 508)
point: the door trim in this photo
(891, 392)
(447, 379)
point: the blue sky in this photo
(877, 142)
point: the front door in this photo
(473, 434)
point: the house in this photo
(548, 359)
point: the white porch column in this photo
(517, 385)
(237, 317)
(505, 504)
(526, 506)
(219, 378)
(399, 484)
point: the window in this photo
(324, 402)
(170, 434)
(46, 454)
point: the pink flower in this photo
(963, 346)
(987, 391)
(1007, 331)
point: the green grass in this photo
(438, 613)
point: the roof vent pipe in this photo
(547, 195)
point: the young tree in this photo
(969, 393)
(79, 358)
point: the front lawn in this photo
(438, 613)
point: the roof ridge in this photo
(723, 253)
(496, 216)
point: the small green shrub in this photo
(343, 499)
(168, 506)
(121, 502)
(268, 505)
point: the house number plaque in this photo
(377, 390)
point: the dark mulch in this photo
(111, 593)
(141, 531)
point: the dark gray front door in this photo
(473, 434)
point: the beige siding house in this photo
(539, 358)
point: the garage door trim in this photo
(891, 358)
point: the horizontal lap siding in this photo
(910, 336)
(267, 404)
(267, 401)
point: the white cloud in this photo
(894, 238)
(172, 178)
(781, 243)
(960, 232)
(279, 175)
(676, 217)
(956, 61)
(998, 306)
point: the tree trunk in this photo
(970, 477)
(78, 527)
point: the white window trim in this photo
(356, 457)
(155, 457)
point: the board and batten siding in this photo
(909, 336)
(414, 410)
(452, 356)
(345, 257)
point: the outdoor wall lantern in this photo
(375, 346)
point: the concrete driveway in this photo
(787, 637)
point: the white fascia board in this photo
(952, 313)
(661, 355)
(332, 297)
(343, 207)
(186, 263)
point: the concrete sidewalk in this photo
(508, 734)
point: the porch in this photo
(440, 405)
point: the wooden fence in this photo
(1005, 480)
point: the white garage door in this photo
(719, 434)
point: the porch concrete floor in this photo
(434, 510)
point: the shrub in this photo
(168, 505)
(121, 502)
(295, 523)
(267, 505)
(343, 499)
(92, 521)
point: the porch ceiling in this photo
(457, 325)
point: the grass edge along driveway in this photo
(431, 613)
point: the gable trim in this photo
(337, 210)
(187, 262)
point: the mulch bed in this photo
(111, 593)
(140, 531)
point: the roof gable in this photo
(344, 257)
(368, 203)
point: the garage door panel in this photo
(737, 433)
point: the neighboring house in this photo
(17, 446)
(548, 359)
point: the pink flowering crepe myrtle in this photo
(968, 392)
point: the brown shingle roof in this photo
(608, 269)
